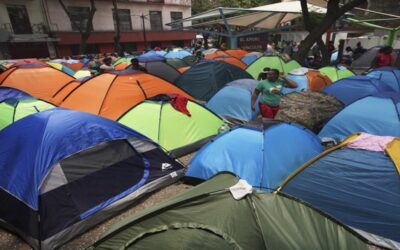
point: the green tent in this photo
(174, 131)
(123, 60)
(208, 217)
(11, 110)
(190, 60)
(273, 62)
(336, 73)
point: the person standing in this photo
(270, 90)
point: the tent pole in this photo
(390, 41)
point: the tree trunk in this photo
(117, 37)
(334, 12)
(84, 31)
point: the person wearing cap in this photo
(270, 90)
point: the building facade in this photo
(142, 24)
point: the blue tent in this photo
(234, 100)
(359, 187)
(150, 56)
(248, 59)
(353, 88)
(378, 115)
(389, 75)
(205, 78)
(72, 167)
(177, 54)
(11, 93)
(264, 156)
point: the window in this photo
(155, 20)
(125, 23)
(79, 16)
(19, 19)
(175, 16)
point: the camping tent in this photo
(162, 70)
(177, 54)
(209, 217)
(353, 88)
(216, 54)
(190, 60)
(388, 75)
(150, 56)
(173, 130)
(251, 57)
(336, 73)
(234, 100)
(176, 63)
(366, 60)
(310, 109)
(62, 67)
(9, 93)
(233, 61)
(264, 155)
(112, 94)
(205, 78)
(75, 171)
(11, 110)
(357, 182)
(273, 62)
(306, 81)
(40, 81)
(378, 114)
(238, 53)
(2, 68)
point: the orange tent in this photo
(233, 61)
(216, 54)
(121, 66)
(42, 82)
(112, 94)
(317, 81)
(183, 69)
(238, 53)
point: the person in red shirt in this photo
(384, 57)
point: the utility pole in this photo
(144, 32)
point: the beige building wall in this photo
(103, 19)
(33, 7)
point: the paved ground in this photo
(10, 241)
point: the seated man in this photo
(136, 66)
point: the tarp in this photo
(310, 109)
(56, 182)
(208, 217)
(273, 62)
(42, 82)
(205, 78)
(360, 188)
(378, 115)
(336, 73)
(264, 157)
(173, 130)
(112, 94)
(234, 100)
(353, 88)
(389, 75)
(11, 110)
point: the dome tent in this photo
(75, 171)
(262, 156)
(112, 94)
(273, 62)
(234, 100)
(209, 217)
(388, 75)
(353, 88)
(39, 80)
(376, 114)
(336, 73)
(306, 80)
(173, 130)
(358, 183)
(205, 78)
(11, 110)
(11, 93)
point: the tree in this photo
(334, 11)
(117, 37)
(84, 23)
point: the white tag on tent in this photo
(241, 189)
